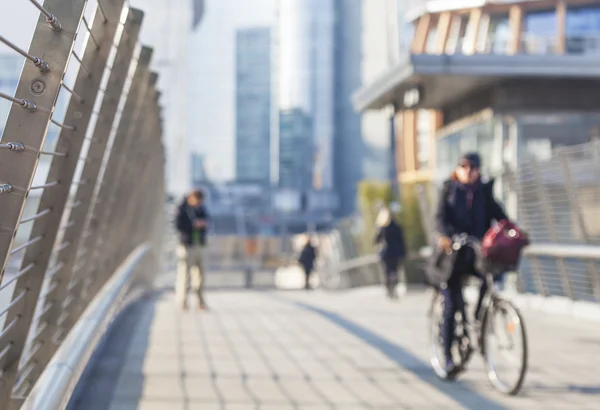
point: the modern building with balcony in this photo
(511, 79)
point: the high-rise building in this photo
(197, 169)
(306, 88)
(212, 59)
(350, 148)
(253, 105)
(296, 150)
(325, 51)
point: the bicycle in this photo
(494, 306)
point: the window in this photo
(456, 37)
(498, 34)
(554, 130)
(431, 39)
(476, 136)
(539, 35)
(583, 30)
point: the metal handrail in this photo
(56, 384)
(358, 262)
(563, 251)
(98, 173)
(553, 250)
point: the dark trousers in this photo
(453, 295)
(307, 271)
(390, 267)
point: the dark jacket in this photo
(461, 209)
(307, 257)
(184, 222)
(394, 247)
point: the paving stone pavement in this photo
(272, 350)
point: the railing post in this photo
(127, 135)
(91, 170)
(38, 88)
(108, 253)
(142, 169)
(129, 186)
(63, 169)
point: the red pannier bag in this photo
(503, 244)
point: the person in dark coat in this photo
(191, 222)
(307, 260)
(393, 251)
(466, 206)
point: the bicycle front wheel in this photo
(505, 342)
(437, 357)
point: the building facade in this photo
(350, 149)
(305, 82)
(197, 169)
(510, 80)
(296, 150)
(253, 105)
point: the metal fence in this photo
(73, 208)
(343, 261)
(231, 252)
(558, 204)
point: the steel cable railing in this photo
(71, 187)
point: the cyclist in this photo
(466, 206)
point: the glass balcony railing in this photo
(588, 44)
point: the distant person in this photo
(307, 260)
(393, 251)
(192, 224)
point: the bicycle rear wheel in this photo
(504, 337)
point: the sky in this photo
(211, 93)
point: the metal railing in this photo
(557, 203)
(530, 43)
(81, 179)
(56, 385)
(343, 262)
(232, 252)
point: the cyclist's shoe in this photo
(452, 370)
(468, 353)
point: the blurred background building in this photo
(169, 28)
(509, 79)
(253, 106)
(307, 98)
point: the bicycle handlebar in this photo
(462, 240)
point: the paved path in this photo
(298, 350)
